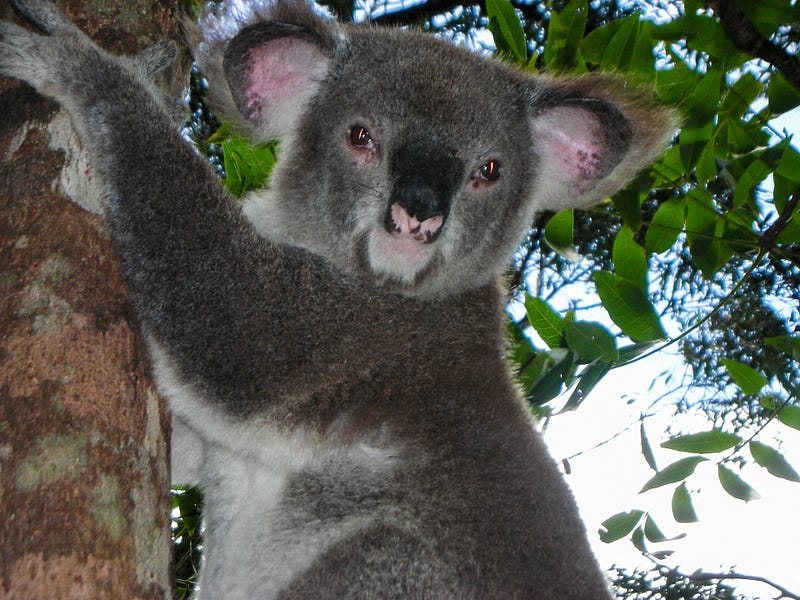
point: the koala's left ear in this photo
(591, 136)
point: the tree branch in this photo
(424, 11)
(746, 37)
(703, 576)
(774, 230)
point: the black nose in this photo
(420, 199)
(425, 176)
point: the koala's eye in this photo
(359, 137)
(487, 173)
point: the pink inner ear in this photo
(571, 147)
(279, 70)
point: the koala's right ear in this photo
(262, 78)
(273, 70)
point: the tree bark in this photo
(84, 478)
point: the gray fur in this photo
(337, 384)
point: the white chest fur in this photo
(263, 489)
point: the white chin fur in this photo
(399, 257)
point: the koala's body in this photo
(332, 352)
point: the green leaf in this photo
(652, 531)
(669, 169)
(591, 341)
(666, 226)
(629, 307)
(789, 345)
(704, 229)
(632, 351)
(773, 461)
(752, 177)
(735, 485)
(682, 508)
(702, 104)
(619, 525)
(790, 416)
(552, 379)
(564, 33)
(545, 321)
(782, 95)
(642, 60)
(617, 54)
(703, 443)
(789, 162)
(706, 167)
(675, 84)
(506, 29)
(677, 471)
(628, 204)
(558, 234)
(590, 377)
(747, 378)
(629, 259)
(647, 450)
(706, 34)
(637, 539)
(693, 141)
(247, 167)
(739, 97)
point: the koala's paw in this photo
(43, 61)
(155, 58)
(45, 16)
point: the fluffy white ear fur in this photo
(592, 135)
(264, 50)
(573, 153)
(273, 71)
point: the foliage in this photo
(705, 207)
(663, 584)
(187, 505)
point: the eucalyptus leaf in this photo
(558, 233)
(666, 226)
(735, 485)
(677, 471)
(746, 377)
(682, 508)
(773, 461)
(619, 525)
(591, 341)
(629, 307)
(507, 30)
(647, 450)
(790, 415)
(545, 321)
(703, 443)
(629, 258)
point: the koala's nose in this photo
(425, 175)
(419, 198)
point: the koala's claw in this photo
(157, 57)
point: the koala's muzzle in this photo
(425, 176)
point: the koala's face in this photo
(413, 164)
(405, 169)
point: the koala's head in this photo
(412, 163)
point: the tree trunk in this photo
(84, 478)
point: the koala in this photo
(332, 349)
